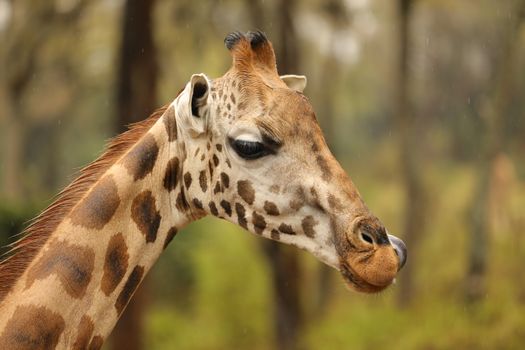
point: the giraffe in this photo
(244, 147)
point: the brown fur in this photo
(72, 264)
(141, 159)
(96, 209)
(271, 208)
(129, 288)
(96, 343)
(170, 123)
(115, 263)
(85, 331)
(259, 224)
(145, 214)
(37, 233)
(32, 327)
(246, 191)
(171, 176)
(169, 237)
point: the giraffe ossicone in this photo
(245, 147)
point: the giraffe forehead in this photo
(279, 113)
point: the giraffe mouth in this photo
(357, 283)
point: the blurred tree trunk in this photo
(136, 99)
(409, 134)
(492, 113)
(137, 71)
(286, 276)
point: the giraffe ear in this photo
(294, 82)
(191, 105)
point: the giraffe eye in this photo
(249, 149)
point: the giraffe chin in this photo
(358, 284)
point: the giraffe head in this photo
(255, 155)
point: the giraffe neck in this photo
(83, 276)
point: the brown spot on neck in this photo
(187, 180)
(170, 122)
(171, 175)
(32, 327)
(96, 342)
(85, 332)
(115, 263)
(129, 288)
(203, 182)
(169, 237)
(99, 206)
(145, 214)
(141, 159)
(72, 264)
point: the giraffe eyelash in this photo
(249, 150)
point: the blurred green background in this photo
(422, 101)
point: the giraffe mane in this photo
(24, 250)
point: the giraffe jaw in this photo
(325, 253)
(354, 282)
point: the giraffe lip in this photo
(353, 280)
